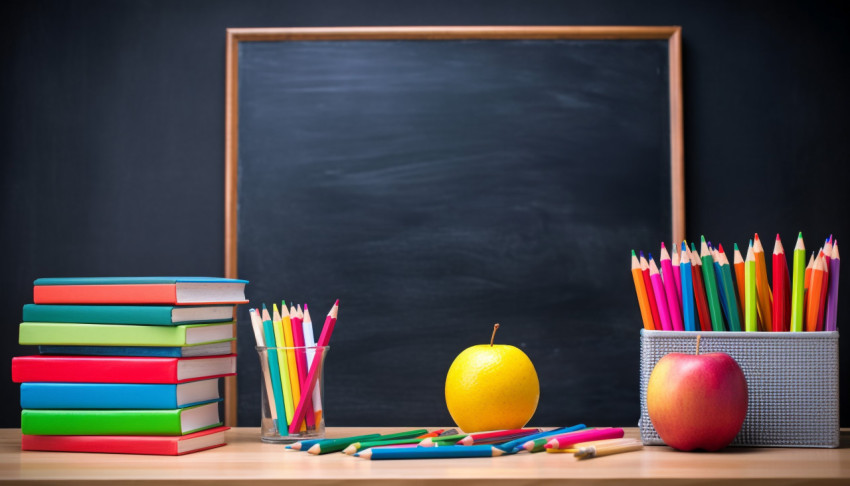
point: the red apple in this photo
(697, 401)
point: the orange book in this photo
(139, 290)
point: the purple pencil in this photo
(832, 297)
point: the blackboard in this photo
(440, 180)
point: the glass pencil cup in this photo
(292, 386)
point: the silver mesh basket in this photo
(792, 380)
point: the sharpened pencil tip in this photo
(662, 245)
(720, 248)
(756, 237)
(800, 236)
(777, 237)
(337, 302)
(264, 307)
(633, 253)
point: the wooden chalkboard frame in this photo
(672, 34)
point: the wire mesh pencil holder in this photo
(792, 378)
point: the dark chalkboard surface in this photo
(439, 185)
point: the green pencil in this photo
(536, 445)
(335, 445)
(711, 287)
(358, 446)
(444, 440)
(750, 322)
(798, 287)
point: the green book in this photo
(65, 333)
(120, 422)
(160, 315)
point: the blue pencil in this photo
(687, 290)
(430, 452)
(274, 369)
(516, 444)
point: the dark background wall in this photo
(112, 126)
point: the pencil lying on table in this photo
(430, 452)
(566, 440)
(627, 445)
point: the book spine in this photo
(99, 443)
(100, 422)
(106, 294)
(99, 314)
(94, 370)
(98, 396)
(158, 351)
(61, 333)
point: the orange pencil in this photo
(813, 298)
(763, 292)
(738, 264)
(699, 291)
(821, 300)
(643, 303)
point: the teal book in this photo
(65, 333)
(120, 422)
(151, 315)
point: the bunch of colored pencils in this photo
(695, 291)
(440, 444)
(292, 366)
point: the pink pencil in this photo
(301, 360)
(670, 287)
(660, 295)
(566, 440)
(313, 375)
(677, 274)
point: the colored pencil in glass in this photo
(781, 289)
(292, 366)
(798, 285)
(257, 326)
(699, 291)
(277, 325)
(627, 445)
(673, 301)
(495, 436)
(731, 301)
(710, 283)
(677, 276)
(567, 440)
(336, 445)
(763, 292)
(831, 320)
(660, 295)
(430, 452)
(310, 342)
(301, 364)
(813, 299)
(516, 444)
(738, 264)
(274, 368)
(643, 303)
(312, 376)
(688, 305)
(650, 295)
(750, 312)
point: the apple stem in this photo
(495, 328)
(699, 336)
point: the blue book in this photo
(161, 315)
(111, 396)
(213, 349)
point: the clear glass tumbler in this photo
(287, 373)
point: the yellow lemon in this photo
(492, 388)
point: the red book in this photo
(127, 444)
(139, 290)
(119, 369)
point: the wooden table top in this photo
(248, 460)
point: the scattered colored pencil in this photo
(335, 445)
(832, 300)
(566, 440)
(497, 436)
(626, 445)
(643, 303)
(430, 452)
(516, 444)
(444, 439)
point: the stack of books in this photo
(126, 365)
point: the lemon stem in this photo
(495, 328)
(699, 336)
